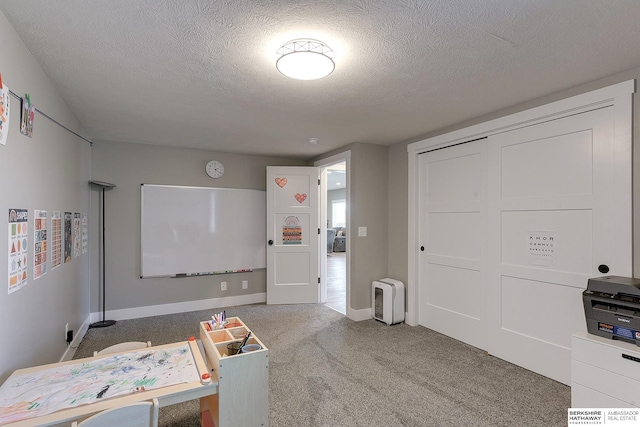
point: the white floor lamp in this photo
(102, 323)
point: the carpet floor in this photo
(326, 370)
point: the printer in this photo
(612, 308)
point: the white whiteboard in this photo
(201, 230)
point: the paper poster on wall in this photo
(542, 247)
(76, 235)
(68, 219)
(291, 231)
(28, 115)
(18, 224)
(4, 112)
(39, 243)
(85, 234)
(56, 239)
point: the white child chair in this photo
(123, 346)
(141, 414)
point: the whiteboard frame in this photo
(211, 271)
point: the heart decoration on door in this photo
(281, 182)
(300, 197)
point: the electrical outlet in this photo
(223, 286)
(245, 284)
(66, 331)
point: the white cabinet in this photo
(605, 373)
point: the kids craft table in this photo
(39, 380)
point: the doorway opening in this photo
(336, 250)
(334, 227)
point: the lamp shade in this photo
(305, 59)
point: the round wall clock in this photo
(215, 169)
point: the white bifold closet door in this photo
(512, 227)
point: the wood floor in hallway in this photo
(337, 281)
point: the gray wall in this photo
(49, 172)
(398, 162)
(128, 166)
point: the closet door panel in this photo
(550, 189)
(453, 235)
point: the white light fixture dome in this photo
(305, 59)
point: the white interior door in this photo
(452, 239)
(551, 224)
(292, 235)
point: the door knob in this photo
(422, 248)
(270, 242)
(604, 269)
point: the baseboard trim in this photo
(71, 350)
(180, 307)
(360, 315)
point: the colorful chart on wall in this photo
(4, 112)
(68, 236)
(42, 392)
(85, 234)
(76, 235)
(291, 231)
(39, 243)
(56, 239)
(18, 225)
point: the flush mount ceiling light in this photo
(305, 59)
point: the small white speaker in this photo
(387, 301)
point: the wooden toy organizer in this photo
(243, 379)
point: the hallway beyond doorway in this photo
(337, 281)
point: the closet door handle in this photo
(270, 242)
(603, 268)
(422, 248)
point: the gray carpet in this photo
(326, 370)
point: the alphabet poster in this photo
(56, 239)
(18, 225)
(39, 244)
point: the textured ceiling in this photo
(202, 73)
